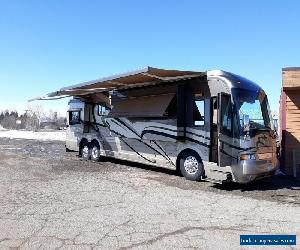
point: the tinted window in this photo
(74, 117)
(226, 115)
(171, 111)
(198, 112)
(102, 109)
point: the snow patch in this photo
(40, 136)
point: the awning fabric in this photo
(145, 106)
(138, 78)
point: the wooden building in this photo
(290, 121)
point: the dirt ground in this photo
(51, 199)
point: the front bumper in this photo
(257, 167)
(250, 170)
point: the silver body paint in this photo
(155, 142)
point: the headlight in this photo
(247, 157)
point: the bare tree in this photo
(34, 114)
(52, 115)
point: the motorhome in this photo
(211, 125)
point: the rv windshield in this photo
(253, 105)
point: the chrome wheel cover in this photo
(191, 165)
(85, 151)
(95, 152)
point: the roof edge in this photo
(291, 69)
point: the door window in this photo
(226, 115)
(74, 117)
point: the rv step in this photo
(217, 174)
(213, 181)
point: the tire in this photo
(95, 152)
(85, 151)
(191, 166)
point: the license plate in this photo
(265, 156)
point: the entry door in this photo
(214, 129)
(87, 117)
(224, 130)
(74, 128)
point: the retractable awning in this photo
(138, 78)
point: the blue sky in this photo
(48, 45)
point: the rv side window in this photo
(102, 109)
(171, 110)
(198, 112)
(74, 117)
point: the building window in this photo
(198, 113)
(74, 117)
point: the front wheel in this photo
(191, 166)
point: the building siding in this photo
(290, 126)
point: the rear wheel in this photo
(85, 151)
(95, 151)
(191, 166)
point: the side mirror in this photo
(246, 123)
(275, 125)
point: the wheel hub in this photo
(191, 165)
(85, 151)
(95, 152)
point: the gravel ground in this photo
(51, 199)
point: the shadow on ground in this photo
(270, 183)
(266, 184)
(142, 166)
